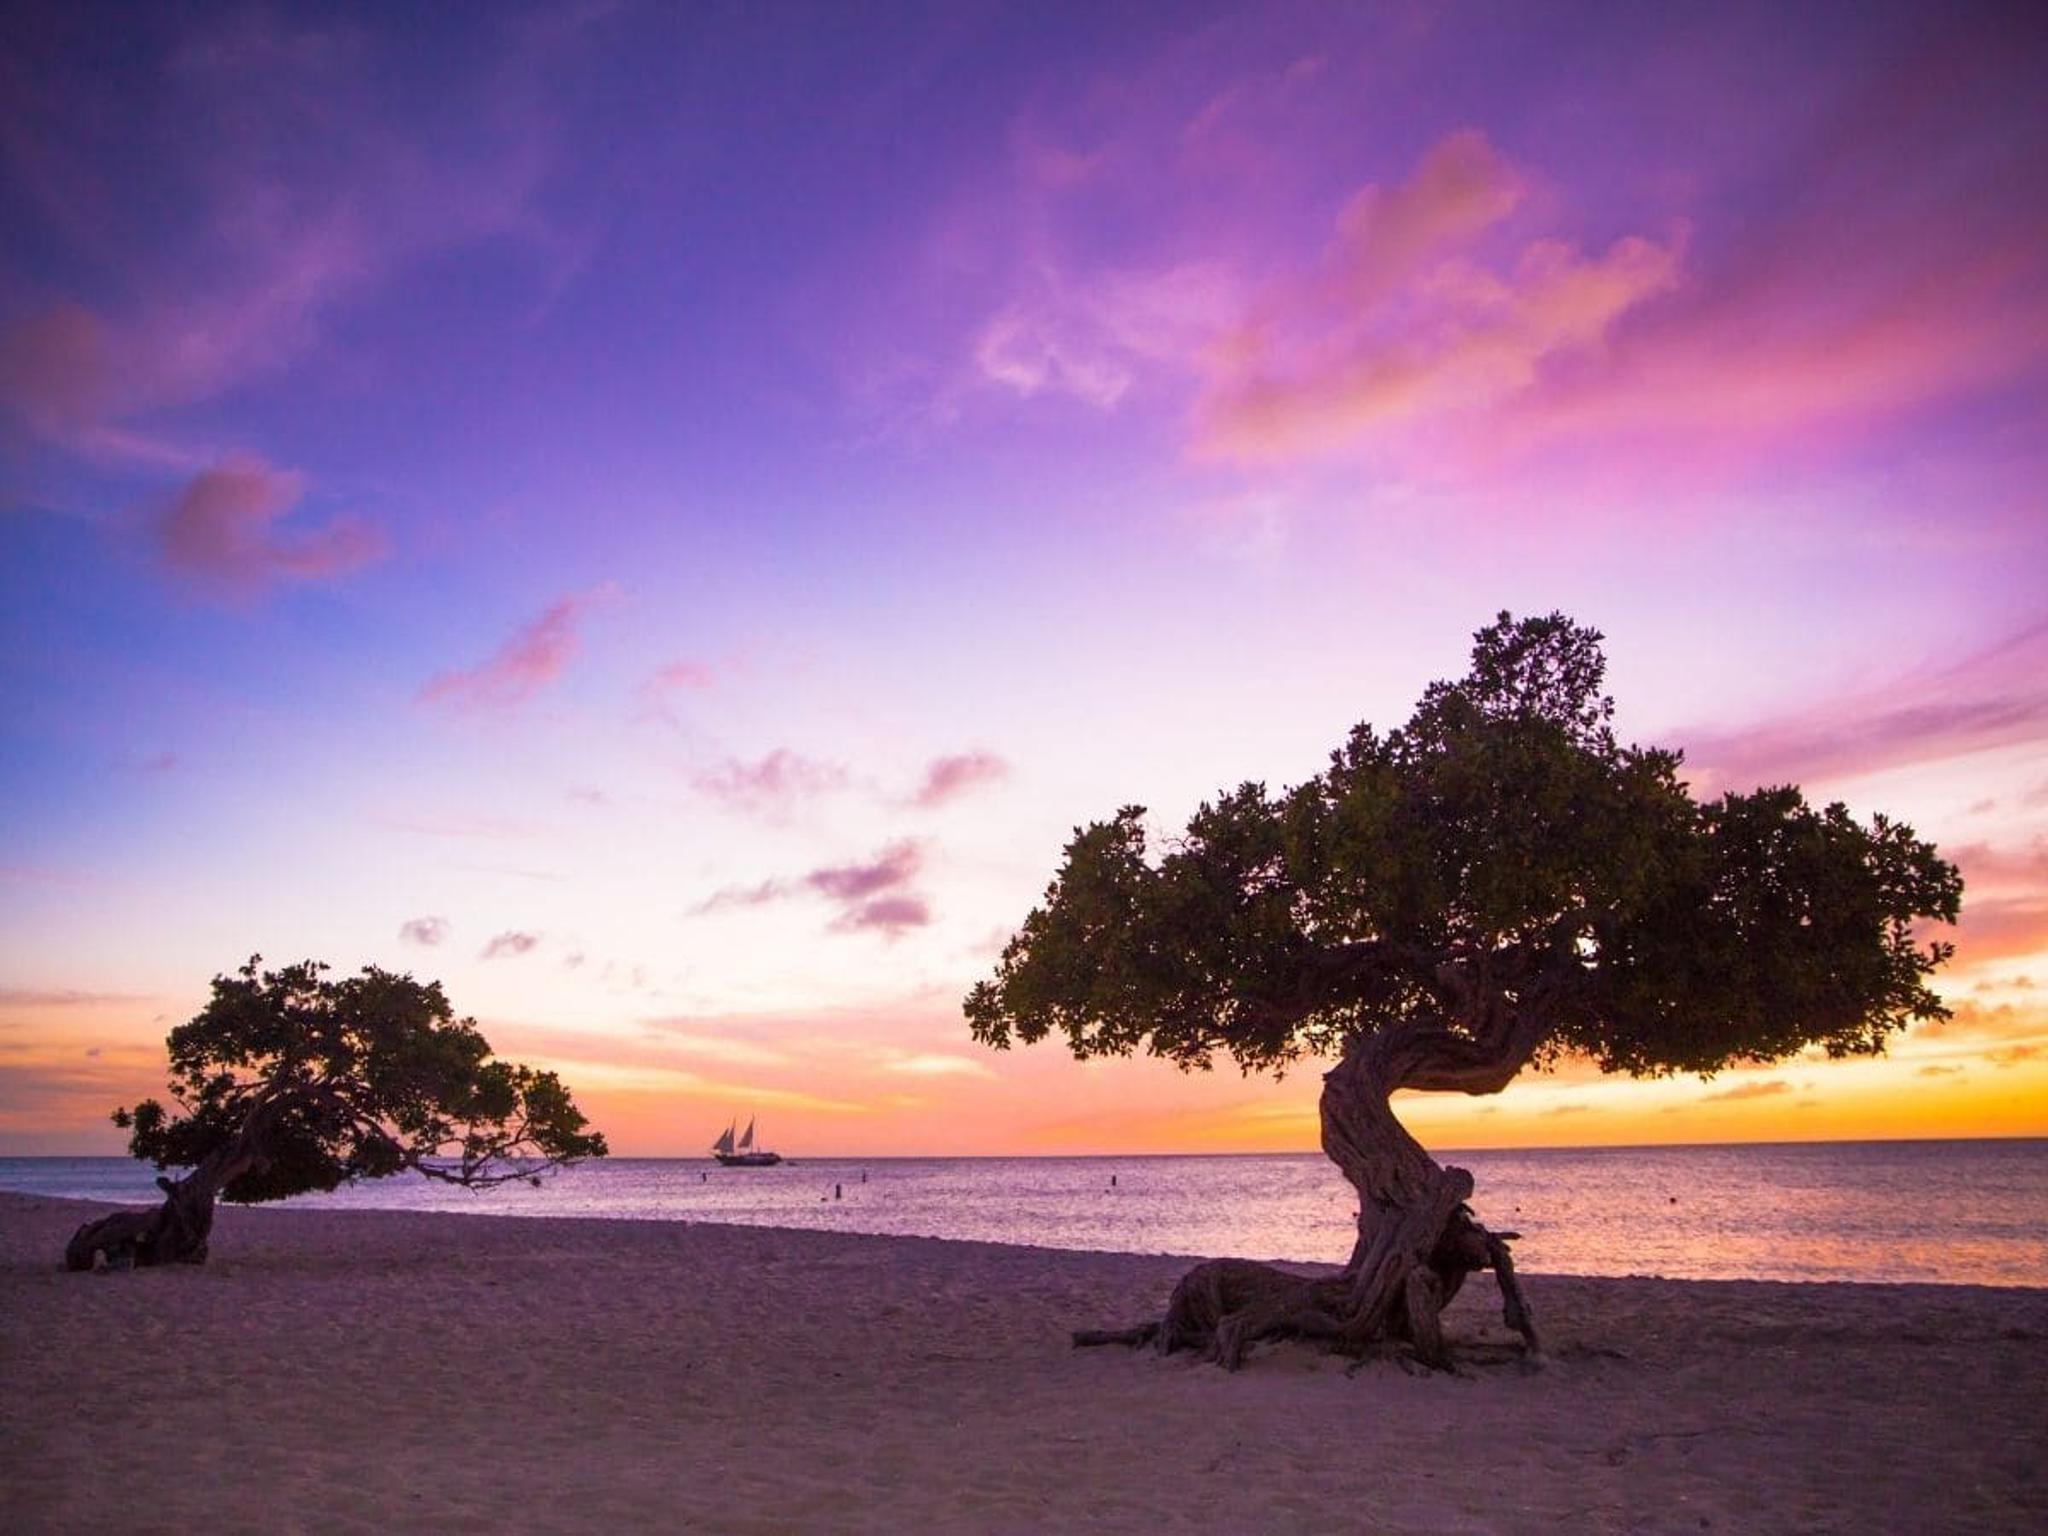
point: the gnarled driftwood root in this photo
(1222, 1308)
(1417, 1237)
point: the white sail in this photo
(747, 1140)
(724, 1142)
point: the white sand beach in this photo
(383, 1371)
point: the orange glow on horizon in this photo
(1985, 1075)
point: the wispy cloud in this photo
(284, 194)
(2002, 928)
(1093, 340)
(889, 870)
(431, 825)
(947, 778)
(692, 1037)
(886, 915)
(1473, 315)
(52, 1090)
(1986, 866)
(662, 687)
(511, 943)
(874, 895)
(222, 533)
(730, 896)
(932, 1064)
(1976, 1024)
(67, 997)
(1770, 1088)
(1882, 267)
(1996, 697)
(424, 930)
(773, 787)
(538, 652)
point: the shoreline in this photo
(364, 1370)
(1303, 1152)
(89, 1209)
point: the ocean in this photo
(1957, 1212)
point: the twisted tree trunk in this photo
(177, 1231)
(1417, 1237)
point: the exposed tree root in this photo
(1222, 1308)
(1417, 1237)
(175, 1232)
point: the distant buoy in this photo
(835, 1191)
(1112, 1181)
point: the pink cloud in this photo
(1986, 866)
(1789, 292)
(1745, 370)
(2002, 928)
(773, 787)
(511, 943)
(894, 866)
(1882, 267)
(222, 534)
(875, 896)
(535, 656)
(424, 930)
(1403, 325)
(887, 915)
(947, 778)
(1461, 188)
(1997, 697)
(871, 896)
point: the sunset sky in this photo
(666, 517)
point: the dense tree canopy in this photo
(1501, 851)
(1498, 882)
(288, 1082)
(329, 1081)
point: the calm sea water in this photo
(1954, 1211)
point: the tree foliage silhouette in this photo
(1496, 883)
(288, 1082)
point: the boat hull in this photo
(747, 1159)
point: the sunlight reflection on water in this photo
(1959, 1212)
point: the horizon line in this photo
(965, 1157)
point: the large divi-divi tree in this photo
(288, 1082)
(1497, 883)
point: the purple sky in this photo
(665, 517)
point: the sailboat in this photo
(743, 1153)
